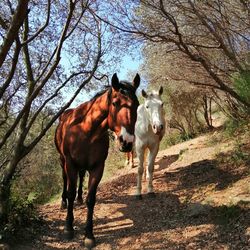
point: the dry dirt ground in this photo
(201, 203)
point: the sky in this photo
(128, 65)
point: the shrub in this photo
(21, 215)
(241, 83)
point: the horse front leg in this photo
(150, 170)
(140, 153)
(95, 176)
(71, 173)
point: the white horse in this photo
(149, 130)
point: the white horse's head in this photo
(154, 109)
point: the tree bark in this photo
(16, 23)
(5, 184)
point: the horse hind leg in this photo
(127, 160)
(79, 199)
(64, 192)
(132, 164)
(71, 173)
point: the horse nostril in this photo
(154, 127)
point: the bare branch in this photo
(12, 70)
(16, 23)
(41, 29)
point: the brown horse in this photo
(130, 159)
(82, 141)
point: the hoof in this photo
(138, 197)
(151, 195)
(63, 205)
(69, 234)
(89, 243)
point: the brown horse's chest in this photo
(85, 151)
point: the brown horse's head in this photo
(123, 111)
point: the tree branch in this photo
(41, 29)
(16, 23)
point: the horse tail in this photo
(56, 138)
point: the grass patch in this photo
(234, 128)
(174, 138)
(114, 162)
(239, 156)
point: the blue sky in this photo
(129, 64)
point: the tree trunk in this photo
(207, 111)
(4, 203)
(5, 185)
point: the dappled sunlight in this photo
(195, 202)
(115, 221)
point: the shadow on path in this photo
(160, 218)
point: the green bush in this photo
(173, 138)
(239, 155)
(242, 84)
(21, 215)
(232, 127)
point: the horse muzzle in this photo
(157, 129)
(125, 140)
(124, 146)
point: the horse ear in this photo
(160, 90)
(115, 82)
(136, 81)
(144, 93)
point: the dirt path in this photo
(187, 213)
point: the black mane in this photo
(125, 85)
(101, 92)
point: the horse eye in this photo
(162, 104)
(122, 91)
(147, 107)
(116, 103)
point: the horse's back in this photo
(65, 114)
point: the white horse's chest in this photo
(143, 131)
(146, 136)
